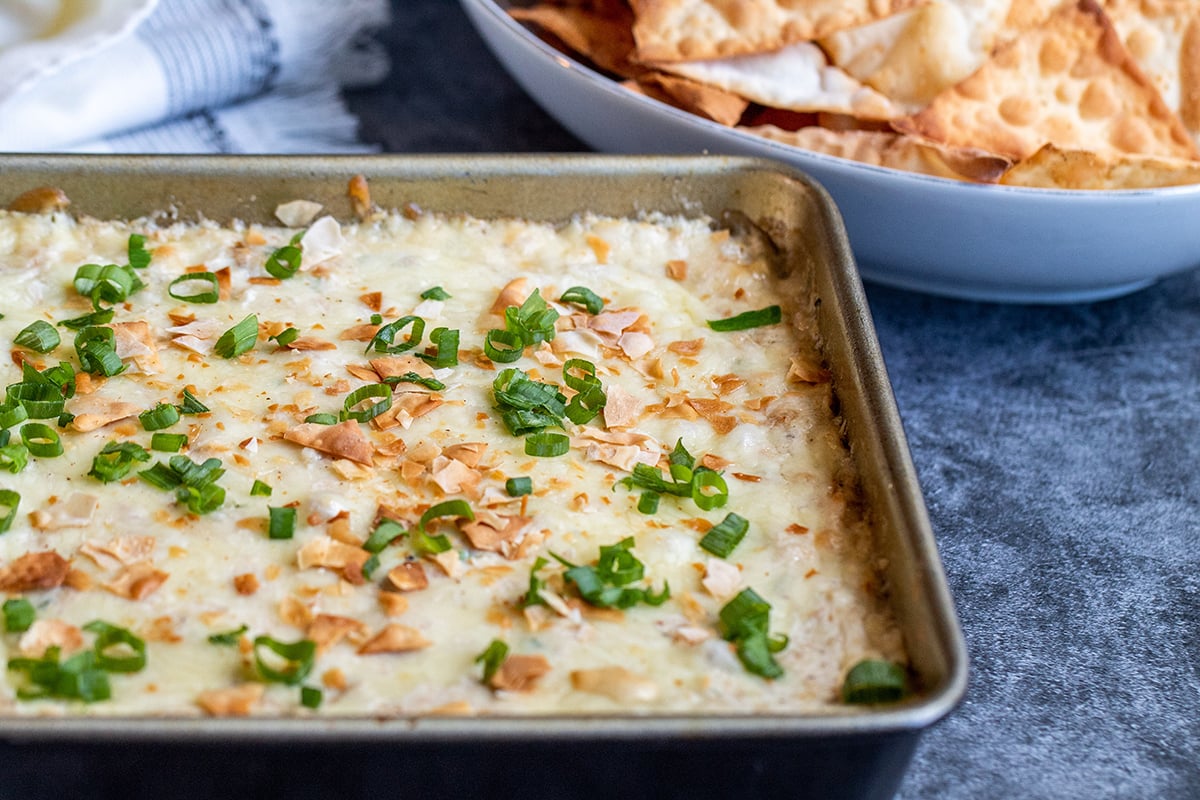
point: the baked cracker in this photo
(1052, 168)
(1069, 82)
(887, 149)
(601, 32)
(688, 95)
(688, 30)
(796, 78)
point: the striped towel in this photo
(186, 76)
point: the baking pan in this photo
(829, 755)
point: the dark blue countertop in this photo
(1058, 448)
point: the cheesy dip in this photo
(418, 464)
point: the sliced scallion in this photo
(9, 500)
(281, 522)
(168, 442)
(445, 341)
(744, 621)
(771, 315)
(380, 392)
(260, 489)
(284, 662)
(874, 681)
(38, 335)
(285, 261)
(163, 415)
(311, 697)
(14, 457)
(384, 339)
(41, 440)
(386, 532)
(116, 460)
(322, 418)
(285, 337)
(492, 658)
(101, 317)
(585, 297)
(239, 339)
(139, 256)
(722, 538)
(411, 377)
(18, 615)
(435, 293)
(116, 649)
(518, 487)
(192, 291)
(228, 638)
(546, 444)
(191, 405)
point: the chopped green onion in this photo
(191, 405)
(382, 341)
(12, 412)
(492, 658)
(65, 419)
(297, 657)
(196, 294)
(77, 678)
(744, 621)
(445, 341)
(110, 637)
(14, 457)
(384, 534)
(510, 350)
(239, 339)
(168, 442)
(705, 479)
(412, 377)
(38, 335)
(9, 500)
(284, 262)
(536, 584)
(282, 522)
(116, 460)
(38, 397)
(41, 440)
(422, 541)
(874, 681)
(194, 484)
(163, 415)
(377, 319)
(139, 256)
(436, 293)
(322, 419)
(101, 317)
(518, 487)
(201, 499)
(369, 566)
(227, 638)
(18, 615)
(526, 405)
(722, 538)
(285, 337)
(381, 392)
(606, 585)
(110, 283)
(546, 444)
(583, 296)
(648, 502)
(260, 489)
(311, 697)
(97, 351)
(590, 398)
(533, 321)
(770, 315)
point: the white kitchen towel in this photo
(185, 76)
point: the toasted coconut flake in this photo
(623, 457)
(393, 603)
(322, 241)
(34, 571)
(245, 584)
(328, 553)
(395, 366)
(613, 323)
(297, 213)
(42, 200)
(621, 409)
(194, 344)
(806, 370)
(520, 673)
(93, 412)
(497, 533)
(135, 340)
(75, 512)
(363, 373)
(616, 683)
(635, 344)
(450, 562)
(348, 470)
(677, 269)
(514, 293)
(395, 638)
(137, 581)
(453, 476)
(47, 633)
(408, 577)
(119, 551)
(310, 343)
(294, 611)
(721, 579)
(359, 192)
(344, 440)
(688, 347)
(359, 333)
(236, 701)
(582, 342)
(326, 630)
(468, 453)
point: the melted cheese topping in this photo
(752, 404)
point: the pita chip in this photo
(689, 30)
(697, 98)
(886, 149)
(600, 32)
(1069, 82)
(1051, 168)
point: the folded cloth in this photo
(185, 76)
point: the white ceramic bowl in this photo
(913, 231)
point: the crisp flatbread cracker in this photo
(688, 30)
(1068, 82)
(884, 149)
(796, 78)
(1051, 168)
(697, 98)
(601, 31)
(1164, 37)
(913, 56)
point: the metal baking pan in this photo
(828, 755)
